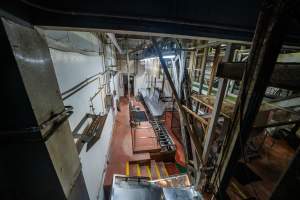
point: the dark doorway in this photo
(125, 83)
(132, 85)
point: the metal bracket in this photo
(55, 122)
(31, 134)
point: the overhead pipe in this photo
(84, 82)
(115, 42)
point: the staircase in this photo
(153, 170)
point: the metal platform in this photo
(139, 188)
(162, 135)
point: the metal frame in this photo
(267, 42)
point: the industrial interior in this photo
(129, 100)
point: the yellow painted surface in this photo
(127, 168)
(165, 170)
(138, 170)
(157, 171)
(149, 172)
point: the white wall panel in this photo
(72, 68)
(94, 161)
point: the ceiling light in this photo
(155, 57)
(169, 56)
(149, 58)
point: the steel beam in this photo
(285, 75)
(214, 119)
(213, 69)
(203, 67)
(195, 139)
(217, 108)
(34, 136)
(270, 30)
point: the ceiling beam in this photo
(285, 75)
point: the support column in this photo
(192, 63)
(214, 118)
(271, 27)
(221, 93)
(203, 67)
(202, 74)
(39, 159)
(213, 70)
(128, 75)
(162, 86)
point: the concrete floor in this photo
(121, 150)
(121, 145)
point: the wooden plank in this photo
(217, 107)
(285, 75)
(214, 119)
(227, 107)
(199, 118)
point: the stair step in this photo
(138, 170)
(154, 170)
(133, 170)
(149, 172)
(127, 168)
(162, 170)
(144, 172)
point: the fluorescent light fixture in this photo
(169, 56)
(165, 57)
(149, 58)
